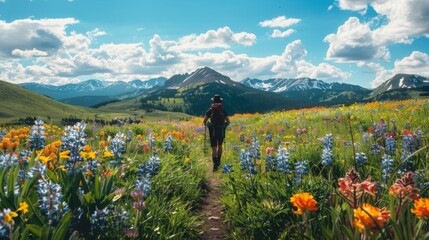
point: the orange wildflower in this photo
(303, 202)
(103, 144)
(421, 208)
(87, 148)
(370, 217)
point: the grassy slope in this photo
(18, 102)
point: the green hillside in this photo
(17, 102)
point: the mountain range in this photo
(191, 92)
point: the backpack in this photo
(217, 117)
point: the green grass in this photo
(18, 102)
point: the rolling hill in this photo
(18, 102)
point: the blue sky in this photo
(361, 42)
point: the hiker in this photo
(219, 120)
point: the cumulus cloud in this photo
(44, 35)
(292, 63)
(76, 57)
(416, 63)
(95, 33)
(354, 41)
(405, 20)
(281, 22)
(279, 34)
(29, 53)
(220, 38)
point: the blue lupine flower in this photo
(247, 162)
(254, 150)
(38, 170)
(99, 220)
(409, 144)
(51, 201)
(283, 161)
(143, 184)
(149, 168)
(117, 147)
(74, 140)
(227, 168)
(327, 153)
(37, 137)
(129, 135)
(390, 145)
(91, 166)
(386, 166)
(375, 149)
(361, 159)
(365, 138)
(151, 140)
(328, 141)
(269, 137)
(168, 144)
(270, 163)
(300, 170)
(419, 139)
(119, 217)
(408, 162)
(7, 160)
(327, 157)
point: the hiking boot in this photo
(215, 164)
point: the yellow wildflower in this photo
(23, 207)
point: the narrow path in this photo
(211, 210)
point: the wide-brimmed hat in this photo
(217, 98)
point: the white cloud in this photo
(279, 34)
(330, 7)
(355, 5)
(355, 41)
(405, 20)
(416, 63)
(95, 33)
(292, 63)
(75, 57)
(45, 35)
(281, 22)
(29, 53)
(220, 38)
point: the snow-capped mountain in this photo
(280, 85)
(200, 76)
(93, 87)
(402, 81)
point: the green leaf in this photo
(89, 197)
(28, 184)
(36, 230)
(63, 226)
(97, 188)
(45, 233)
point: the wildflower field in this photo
(356, 172)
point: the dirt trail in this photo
(211, 210)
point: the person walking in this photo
(219, 120)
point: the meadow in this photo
(351, 172)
